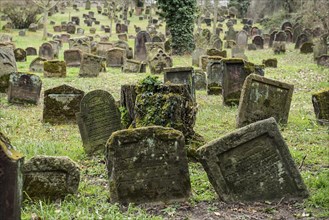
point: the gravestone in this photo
(234, 75)
(215, 52)
(142, 37)
(123, 36)
(218, 44)
(262, 98)
(297, 30)
(71, 29)
(20, 55)
(229, 44)
(132, 66)
(280, 36)
(31, 51)
(252, 47)
(321, 47)
(54, 68)
(279, 47)
(302, 38)
(252, 164)
(242, 39)
(230, 34)
(285, 25)
(11, 180)
(147, 165)
(214, 78)
(37, 64)
(50, 177)
(91, 65)
(306, 48)
(200, 79)
(323, 60)
(88, 5)
(82, 43)
(289, 35)
(73, 57)
(61, 104)
(7, 66)
(46, 51)
(98, 118)
(153, 47)
(196, 56)
(115, 57)
(238, 52)
(103, 47)
(24, 88)
(272, 62)
(75, 20)
(57, 28)
(56, 45)
(158, 61)
(181, 75)
(320, 102)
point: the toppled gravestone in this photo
(49, 177)
(11, 179)
(320, 102)
(263, 98)
(252, 164)
(98, 118)
(147, 165)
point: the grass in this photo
(305, 138)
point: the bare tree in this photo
(46, 6)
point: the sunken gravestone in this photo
(262, 98)
(91, 65)
(61, 104)
(11, 180)
(24, 88)
(320, 102)
(7, 66)
(98, 118)
(252, 164)
(148, 165)
(54, 68)
(49, 177)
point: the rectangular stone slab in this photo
(263, 98)
(252, 164)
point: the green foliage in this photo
(149, 84)
(179, 16)
(240, 5)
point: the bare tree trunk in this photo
(45, 20)
(216, 2)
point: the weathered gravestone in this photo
(238, 52)
(242, 39)
(272, 62)
(56, 45)
(20, 55)
(91, 65)
(230, 34)
(252, 164)
(31, 51)
(181, 75)
(280, 36)
(234, 74)
(153, 47)
(98, 118)
(279, 47)
(216, 52)
(218, 44)
(321, 47)
(285, 25)
(46, 51)
(54, 68)
(49, 177)
(61, 104)
(297, 30)
(323, 60)
(133, 66)
(200, 79)
(7, 66)
(272, 38)
(147, 165)
(115, 57)
(262, 98)
(158, 61)
(258, 41)
(71, 29)
(82, 43)
(289, 35)
(302, 38)
(73, 57)
(306, 48)
(11, 180)
(320, 102)
(214, 78)
(103, 47)
(24, 88)
(37, 64)
(140, 48)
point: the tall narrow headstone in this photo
(7, 66)
(140, 48)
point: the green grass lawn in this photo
(305, 138)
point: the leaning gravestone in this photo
(73, 57)
(11, 180)
(252, 164)
(98, 118)
(140, 48)
(37, 64)
(54, 68)
(91, 65)
(24, 88)
(320, 102)
(214, 78)
(7, 66)
(262, 98)
(46, 51)
(115, 57)
(147, 165)
(49, 177)
(61, 104)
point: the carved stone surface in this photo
(46, 51)
(147, 165)
(24, 88)
(98, 118)
(252, 164)
(91, 65)
(214, 78)
(158, 61)
(263, 98)
(11, 180)
(54, 68)
(61, 104)
(73, 57)
(48, 177)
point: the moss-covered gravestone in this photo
(271, 63)
(262, 98)
(11, 180)
(24, 88)
(147, 165)
(7, 66)
(54, 68)
(98, 118)
(20, 55)
(252, 164)
(320, 102)
(214, 78)
(61, 104)
(200, 79)
(306, 48)
(47, 177)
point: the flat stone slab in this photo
(262, 98)
(50, 177)
(147, 165)
(252, 164)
